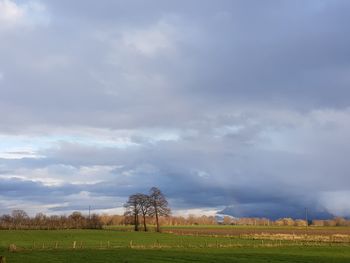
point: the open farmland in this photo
(127, 246)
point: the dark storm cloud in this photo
(29, 189)
(243, 104)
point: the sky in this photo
(239, 107)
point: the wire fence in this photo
(103, 245)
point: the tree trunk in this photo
(144, 222)
(136, 221)
(157, 220)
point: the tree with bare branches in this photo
(159, 205)
(145, 206)
(132, 207)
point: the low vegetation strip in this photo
(252, 230)
(336, 238)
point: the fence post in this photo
(74, 244)
(12, 248)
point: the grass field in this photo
(126, 246)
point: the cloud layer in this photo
(240, 106)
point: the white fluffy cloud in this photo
(10, 12)
(149, 41)
(28, 14)
(337, 202)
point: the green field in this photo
(126, 246)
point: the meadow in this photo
(122, 245)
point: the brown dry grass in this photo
(310, 234)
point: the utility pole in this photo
(89, 212)
(89, 216)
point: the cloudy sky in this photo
(235, 106)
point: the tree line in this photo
(142, 205)
(19, 219)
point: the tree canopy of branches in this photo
(145, 206)
(159, 205)
(154, 204)
(132, 209)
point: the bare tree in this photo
(94, 222)
(145, 206)
(19, 218)
(132, 207)
(159, 205)
(77, 220)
